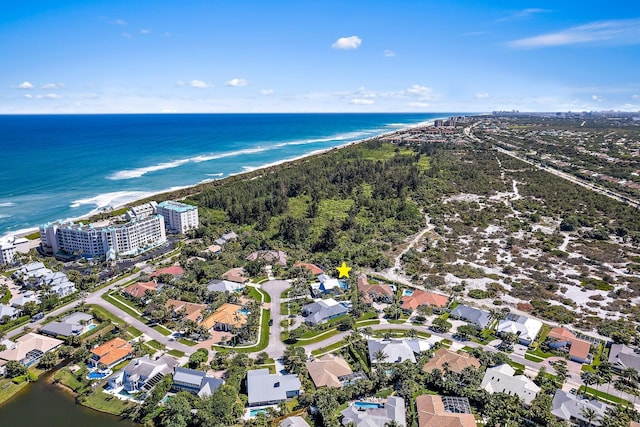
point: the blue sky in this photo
(317, 56)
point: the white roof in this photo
(500, 379)
(525, 327)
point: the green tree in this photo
(441, 325)
(197, 358)
(177, 412)
(14, 369)
(48, 360)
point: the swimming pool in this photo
(91, 327)
(244, 311)
(343, 284)
(254, 412)
(368, 405)
(98, 375)
(407, 292)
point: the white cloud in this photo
(199, 84)
(25, 85)
(266, 92)
(91, 96)
(482, 95)
(418, 104)
(613, 32)
(237, 82)
(145, 31)
(360, 101)
(347, 43)
(635, 96)
(389, 53)
(49, 96)
(596, 98)
(522, 14)
(50, 86)
(423, 92)
(28, 95)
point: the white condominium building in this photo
(178, 217)
(89, 241)
(7, 252)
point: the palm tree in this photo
(561, 371)
(412, 333)
(588, 379)
(379, 356)
(589, 414)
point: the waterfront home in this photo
(396, 350)
(322, 311)
(326, 285)
(7, 253)
(525, 328)
(271, 257)
(444, 411)
(293, 422)
(224, 286)
(264, 388)
(110, 353)
(238, 275)
(142, 373)
(225, 318)
(73, 324)
(445, 359)
(375, 415)
(174, 270)
(194, 381)
(29, 348)
(8, 313)
(501, 379)
(329, 370)
(479, 318)
(623, 357)
(376, 292)
(36, 275)
(312, 268)
(138, 290)
(571, 408)
(564, 339)
(188, 310)
(415, 298)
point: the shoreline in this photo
(197, 186)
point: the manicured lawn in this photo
(123, 305)
(134, 332)
(8, 389)
(104, 314)
(186, 342)
(397, 321)
(601, 395)
(262, 343)
(155, 344)
(329, 348)
(533, 357)
(71, 380)
(318, 337)
(105, 403)
(384, 393)
(176, 353)
(164, 331)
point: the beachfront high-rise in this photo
(89, 241)
(7, 252)
(178, 217)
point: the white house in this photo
(525, 328)
(501, 379)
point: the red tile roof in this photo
(418, 298)
(314, 269)
(112, 351)
(174, 270)
(137, 290)
(561, 334)
(579, 348)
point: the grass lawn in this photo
(123, 305)
(104, 314)
(176, 353)
(329, 348)
(533, 357)
(601, 395)
(164, 331)
(318, 337)
(397, 321)
(8, 389)
(155, 344)
(105, 403)
(133, 332)
(262, 343)
(384, 393)
(186, 342)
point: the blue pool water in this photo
(244, 311)
(367, 405)
(97, 375)
(407, 293)
(343, 284)
(92, 327)
(254, 412)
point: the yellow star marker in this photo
(343, 270)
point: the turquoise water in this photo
(91, 327)
(407, 293)
(254, 412)
(367, 405)
(96, 375)
(66, 166)
(244, 311)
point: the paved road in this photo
(275, 288)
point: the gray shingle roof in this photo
(265, 387)
(472, 315)
(567, 406)
(188, 376)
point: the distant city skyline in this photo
(70, 56)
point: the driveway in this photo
(275, 288)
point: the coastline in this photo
(198, 187)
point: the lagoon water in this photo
(66, 166)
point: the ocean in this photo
(68, 166)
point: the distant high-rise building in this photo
(7, 253)
(438, 123)
(178, 217)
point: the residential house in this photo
(196, 382)
(376, 292)
(479, 318)
(331, 371)
(563, 338)
(327, 285)
(294, 422)
(525, 328)
(225, 286)
(190, 311)
(214, 249)
(28, 296)
(29, 348)
(444, 411)
(271, 257)
(397, 350)
(36, 275)
(445, 359)
(226, 238)
(238, 275)
(391, 410)
(73, 324)
(264, 388)
(321, 311)
(174, 270)
(415, 298)
(142, 373)
(501, 379)
(8, 313)
(623, 357)
(225, 318)
(138, 290)
(571, 408)
(313, 269)
(110, 353)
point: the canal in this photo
(43, 404)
